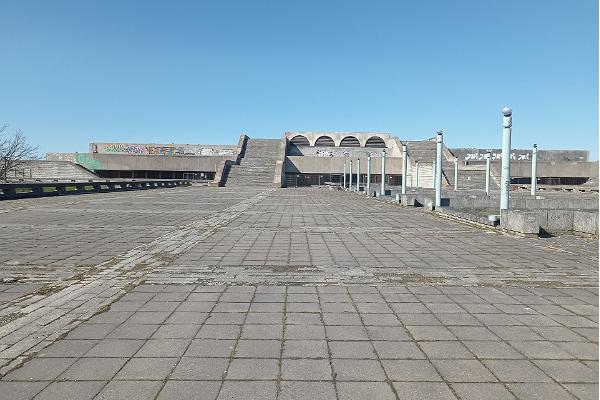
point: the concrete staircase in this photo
(471, 176)
(46, 170)
(257, 168)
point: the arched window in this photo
(375, 141)
(299, 140)
(324, 141)
(349, 141)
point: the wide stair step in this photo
(257, 168)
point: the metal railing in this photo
(24, 189)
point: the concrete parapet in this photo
(525, 222)
(585, 222)
(557, 220)
(550, 221)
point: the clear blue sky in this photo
(202, 72)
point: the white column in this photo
(344, 173)
(438, 169)
(350, 183)
(505, 180)
(417, 174)
(534, 170)
(487, 172)
(455, 174)
(358, 175)
(368, 190)
(383, 173)
(404, 168)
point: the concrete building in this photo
(317, 158)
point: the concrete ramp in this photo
(42, 169)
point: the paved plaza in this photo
(313, 293)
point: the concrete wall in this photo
(323, 151)
(335, 165)
(537, 222)
(554, 169)
(472, 154)
(338, 136)
(162, 149)
(118, 162)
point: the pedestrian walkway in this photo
(286, 294)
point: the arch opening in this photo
(299, 140)
(375, 141)
(349, 141)
(325, 141)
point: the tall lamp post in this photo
(417, 174)
(487, 172)
(344, 173)
(455, 174)
(534, 170)
(350, 183)
(505, 180)
(438, 169)
(358, 175)
(404, 167)
(368, 174)
(383, 173)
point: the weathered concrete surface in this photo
(585, 222)
(288, 294)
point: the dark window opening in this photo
(349, 141)
(325, 141)
(375, 141)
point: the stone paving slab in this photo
(307, 293)
(317, 351)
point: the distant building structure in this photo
(315, 158)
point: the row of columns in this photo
(437, 166)
(368, 186)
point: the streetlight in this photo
(438, 168)
(383, 173)
(505, 180)
(358, 175)
(534, 170)
(487, 172)
(350, 183)
(344, 174)
(455, 174)
(417, 174)
(404, 168)
(368, 174)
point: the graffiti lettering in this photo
(496, 156)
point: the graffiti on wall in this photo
(525, 156)
(324, 153)
(157, 150)
(88, 162)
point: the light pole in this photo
(505, 180)
(350, 183)
(487, 172)
(383, 173)
(344, 174)
(455, 174)
(417, 174)
(368, 174)
(358, 175)
(404, 165)
(438, 169)
(534, 170)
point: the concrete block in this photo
(559, 221)
(585, 222)
(526, 222)
(409, 200)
